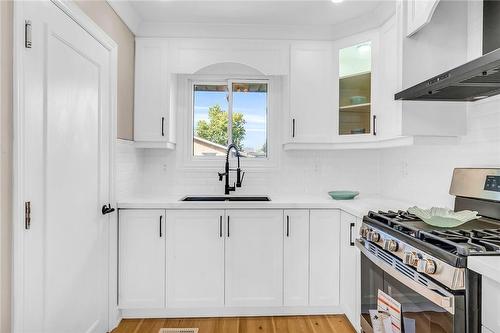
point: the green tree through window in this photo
(215, 129)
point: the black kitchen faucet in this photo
(239, 174)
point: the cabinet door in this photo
(388, 111)
(152, 94)
(296, 258)
(254, 257)
(419, 13)
(349, 263)
(195, 258)
(490, 304)
(324, 257)
(141, 259)
(312, 92)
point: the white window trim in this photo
(186, 160)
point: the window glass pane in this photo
(250, 119)
(355, 89)
(210, 120)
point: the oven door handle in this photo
(432, 292)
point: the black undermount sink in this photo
(225, 198)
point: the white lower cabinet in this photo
(296, 258)
(349, 272)
(490, 305)
(324, 257)
(254, 257)
(195, 258)
(141, 238)
(205, 259)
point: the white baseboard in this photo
(229, 312)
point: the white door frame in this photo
(77, 15)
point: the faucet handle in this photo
(221, 175)
(240, 180)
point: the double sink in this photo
(225, 198)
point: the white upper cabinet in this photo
(296, 257)
(357, 63)
(324, 257)
(388, 110)
(195, 248)
(342, 92)
(419, 14)
(154, 124)
(312, 92)
(266, 57)
(141, 259)
(254, 257)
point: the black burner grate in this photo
(477, 237)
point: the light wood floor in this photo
(289, 324)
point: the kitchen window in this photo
(234, 111)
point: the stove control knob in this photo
(410, 258)
(427, 266)
(390, 245)
(373, 236)
(363, 232)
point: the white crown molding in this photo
(127, 13)
(142, 28)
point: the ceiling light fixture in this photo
(336, 1)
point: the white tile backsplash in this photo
(298, 173)
(418, 174)
(128, 168)
(422, 174)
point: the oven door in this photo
(426, 307)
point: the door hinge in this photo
(27, 215)
(27, 34)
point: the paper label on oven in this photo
(389, 305)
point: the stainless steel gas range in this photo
(424, 268)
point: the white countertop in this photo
(488, 266)
(358, 206)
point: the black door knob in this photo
(107, 209)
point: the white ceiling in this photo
(258, 12)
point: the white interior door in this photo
(66, 145)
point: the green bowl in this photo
(343, 195)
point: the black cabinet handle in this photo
(228, 226)
(220, 226)
(161, 227)
(287, 226)
(162, 126)
(107, 209)
(374, 124)
(351, 227)
(293, 128)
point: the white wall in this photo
(422, 174)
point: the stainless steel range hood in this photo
(475, 80)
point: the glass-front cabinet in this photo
(355, 78)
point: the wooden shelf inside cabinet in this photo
(364, 107)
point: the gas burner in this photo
(477, 237)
